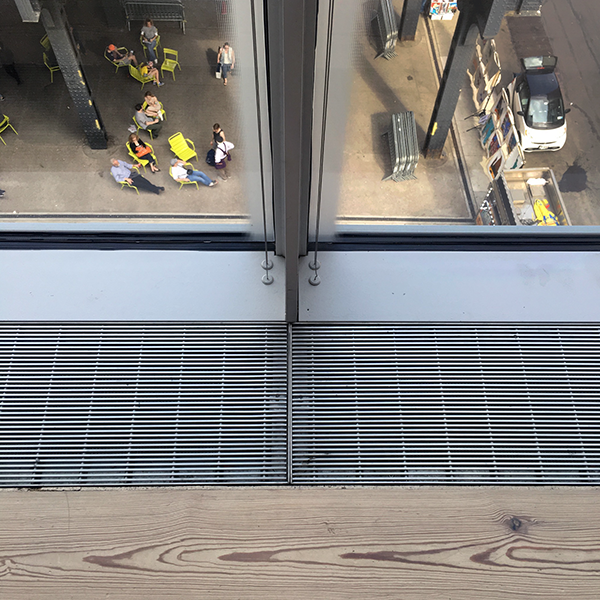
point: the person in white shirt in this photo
(222, 157)
(181, 173)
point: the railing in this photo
(166, 10)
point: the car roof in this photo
(542, 83)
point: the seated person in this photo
(153, 108)
(146, 122)
(152, 71)
(143, 151)
(122, 171)
(122, 59)
(180, 173)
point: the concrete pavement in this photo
(48, 169)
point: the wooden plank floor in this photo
(268, 543)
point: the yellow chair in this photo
(140, 127)
(4, 125)
(137, 159)
(182, 183)
(45, 42)
(130, 185)
(155, 47)
(169, 64)
(162, 109)
(180, 146)
(122, 51)
(50, 67)
(137, 74)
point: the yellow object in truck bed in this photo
(543, 213)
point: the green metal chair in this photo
(144, 45)
(170, 62)
(51, 68)
(137, 75)
(180, 146)
(121, 50)
(4, 125)
(182, 183)
(45, 42)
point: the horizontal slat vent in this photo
(142, 404)
(436, 403)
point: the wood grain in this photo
(341, 543)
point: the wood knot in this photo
(515, 523)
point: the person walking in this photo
(226, 60)
(122, 171)
(7, 58)
(222, 157)
(180, 173)
(149, 35)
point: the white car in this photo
(538, 106)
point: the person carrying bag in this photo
(222, 157)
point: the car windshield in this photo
(545, 112)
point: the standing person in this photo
(180, 173)
(153, 108)
(121, 171)
(149, 38)
(226, 58)
(146, 122)
(143, 151)
(218, 135)
(222, 157)
(7, 58)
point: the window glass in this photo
(49, 170)
(366, 175)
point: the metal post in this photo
(291, 30)
(455, 73)
(409, 20)
(54, 19)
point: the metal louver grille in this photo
(438, 403)
(142, 404)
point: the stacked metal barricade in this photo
(387, 27)
(404, 146)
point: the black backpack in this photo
(210, 157)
